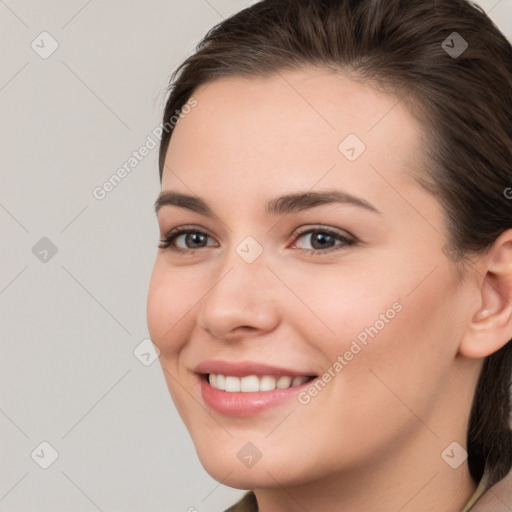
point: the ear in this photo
(490, 327)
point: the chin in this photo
(239, 477)
(227, 467)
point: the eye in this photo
(191, 238)
(324, 240)
(321, 239)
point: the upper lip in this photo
(245, 368)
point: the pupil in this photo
(322, 237)
(194, 237)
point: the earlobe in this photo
(490, 327)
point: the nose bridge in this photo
(243, 268)
(240, 295)
(241, 275)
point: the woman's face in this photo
(375, 319)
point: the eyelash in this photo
(167, 241)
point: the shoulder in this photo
(247, 504)
(498, 498)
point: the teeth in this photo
(232, 385)
(253, 383)
(297, 381)
(220, 382)
(267, 383)
(250, 383)
(283, 382)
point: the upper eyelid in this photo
(297, 233)
(301, 230)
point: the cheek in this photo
(171, 298)
(341, 304)
(390, 302)
(169, 303)
(382, 324)
(409, 360)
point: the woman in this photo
(332, 296)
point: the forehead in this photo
(291, 130)
(325, 97)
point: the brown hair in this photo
(464, 100)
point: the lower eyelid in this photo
(342, 244)
(168, 241)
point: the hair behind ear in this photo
(490, 423)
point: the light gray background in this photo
(70, 323)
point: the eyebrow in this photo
(288, 203)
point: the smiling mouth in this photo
(254, 383)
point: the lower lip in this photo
(246, 404)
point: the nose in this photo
(242, 300)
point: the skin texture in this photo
(372, 439)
